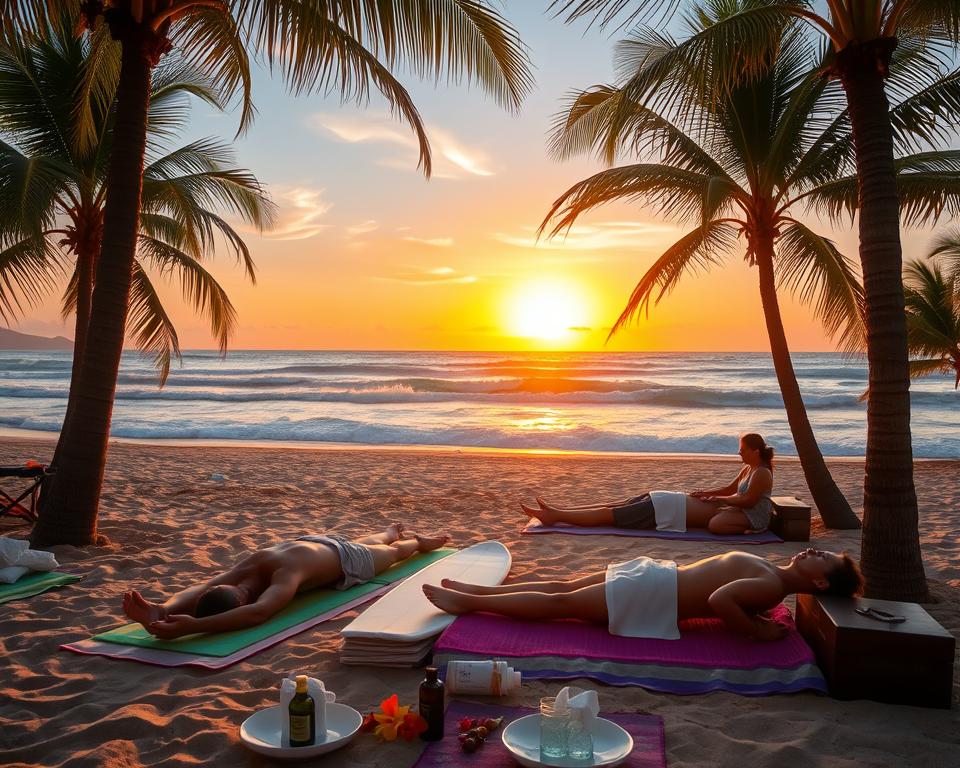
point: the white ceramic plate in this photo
(261, 732)
(611, 744)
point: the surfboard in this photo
(405, 616)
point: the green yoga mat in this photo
(303, 608)
(33, 584)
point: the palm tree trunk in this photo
(86, 257)
(890, 552)
(832, 505)
(70, 513)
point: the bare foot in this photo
(467, 589)
(394, 532)
(430, 543)
(446, 599)
(142, 610)
(543, 516)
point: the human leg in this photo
(568, 508)
(385, 555)
(587, 603)
(587, 517)
(729, 522)
(390, 534)
(547, 587)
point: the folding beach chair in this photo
(25, 505)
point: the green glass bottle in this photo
(303, 716)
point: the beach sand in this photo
(170, 523)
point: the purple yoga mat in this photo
(646, 730)
(695, 534)
(703, 643)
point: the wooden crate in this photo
(862, 658)
(790, 519)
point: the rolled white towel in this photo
(17, 552)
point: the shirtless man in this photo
(266, 581)
(645, 598)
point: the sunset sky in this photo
(367, 254)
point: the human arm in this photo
(726, 490)
(277, 596)
(738, 603)
(760, 485)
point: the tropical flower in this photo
(394, 720)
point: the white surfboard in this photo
(404, 614)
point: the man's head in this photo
(829, 573)
(219, 599)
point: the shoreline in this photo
(9, 434)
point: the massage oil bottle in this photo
(303, 716)
(431, 705)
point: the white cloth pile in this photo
(17, 559)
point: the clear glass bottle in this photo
(553, 730)
(579, 741)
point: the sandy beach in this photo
(169, 523)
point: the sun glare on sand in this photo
(546, 310)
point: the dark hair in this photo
(218, 599)
(845, 580)
(757, 443)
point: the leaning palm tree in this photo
(738, 173)
(343, 47)
(863, 36)
(183, 190)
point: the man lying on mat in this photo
(741, 506)
(646, 597)
(266, 581)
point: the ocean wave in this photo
(344, 431)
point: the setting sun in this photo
(546, 310)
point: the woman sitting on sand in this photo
(743, 506)
(266, 581)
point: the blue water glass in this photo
(553, 730)
(579, 741)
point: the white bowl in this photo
(611, 744)
(261, 732)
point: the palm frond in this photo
(947, 245)
(812, 268)
(605, 12)
(695, 252)
(149, 325)
(29, 190)
(200, 289)
(933, 315)
(679, 193)
(29, 268)
(98, 77)
(931, 19)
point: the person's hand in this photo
(767, 631)
(174, 626)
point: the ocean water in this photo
(627, 402)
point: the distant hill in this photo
(13, 340)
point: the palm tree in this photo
(933, 319)
(863, 36)
(342, 47)
(738, 172)
(38, 112)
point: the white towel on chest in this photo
(670, 510)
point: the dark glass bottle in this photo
(303, 716)
(431, 705)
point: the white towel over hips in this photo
(670, 509)
(642, 598)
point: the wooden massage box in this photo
(790, 519)
(862, 658)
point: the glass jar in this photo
(579, 740)
(554, 729)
